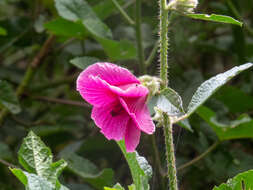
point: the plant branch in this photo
(8, 164)
(55, 83)
(238, 16)
(123, 13)
(201, 156)
(152, 54)
(61, 101)
(30, 72)
(157, 156)
(140, 49)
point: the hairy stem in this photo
(168, 132)
(201, 156)
(171, 161)
(164, 43)
(142, 67)
(29, 72)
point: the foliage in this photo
(206, 95)
(36, 158)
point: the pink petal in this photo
(132, 137)
(112, 120)
(138, 111)
(112, 74)
(94, 90)
(130, 90)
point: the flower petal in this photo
(130, 90)
(138, 111)
(112, 120)
(112, 74)
(95, 91)
(132, 137)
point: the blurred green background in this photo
(51, 107)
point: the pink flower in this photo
(119, 102)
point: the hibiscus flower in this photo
(119, 102)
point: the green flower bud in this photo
(184, 6)
(152, 83)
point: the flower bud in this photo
(152, 83)
(158, 116)
(184, 6)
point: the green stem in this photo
(164, 43)
(171, 161)
(238, 16)
(168, 131)
(201, 156)
(123, 13)
(152, 54)
(142, 67)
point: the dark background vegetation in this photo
(53, 109)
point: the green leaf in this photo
(185, 124)
(243, 181)
(88, 171)
(170, 102)
(229, 96)
(80, 10)
(37, 158)
(240, 128)
(141, 171)
(115, 187)
(118, 50)
(104, 9)
(34, 155)
(20, 175)
(3, 32)
(8, 98)
(215, 18)
(83, 62)
(209, 87)
(66, 28)
(32, 181)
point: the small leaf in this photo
(37, 158)
(3, 32)
(115, 187)
(185, 124)
(209, 87)
(174, 99)
(34, 155)
(215, 18)
(243, 181)
(20, 175)
(8, 98)
(170, 102)
(80, 10)
(240, 128)
(83, 62)
(141, 171)
(88, 171)
(32, 181)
